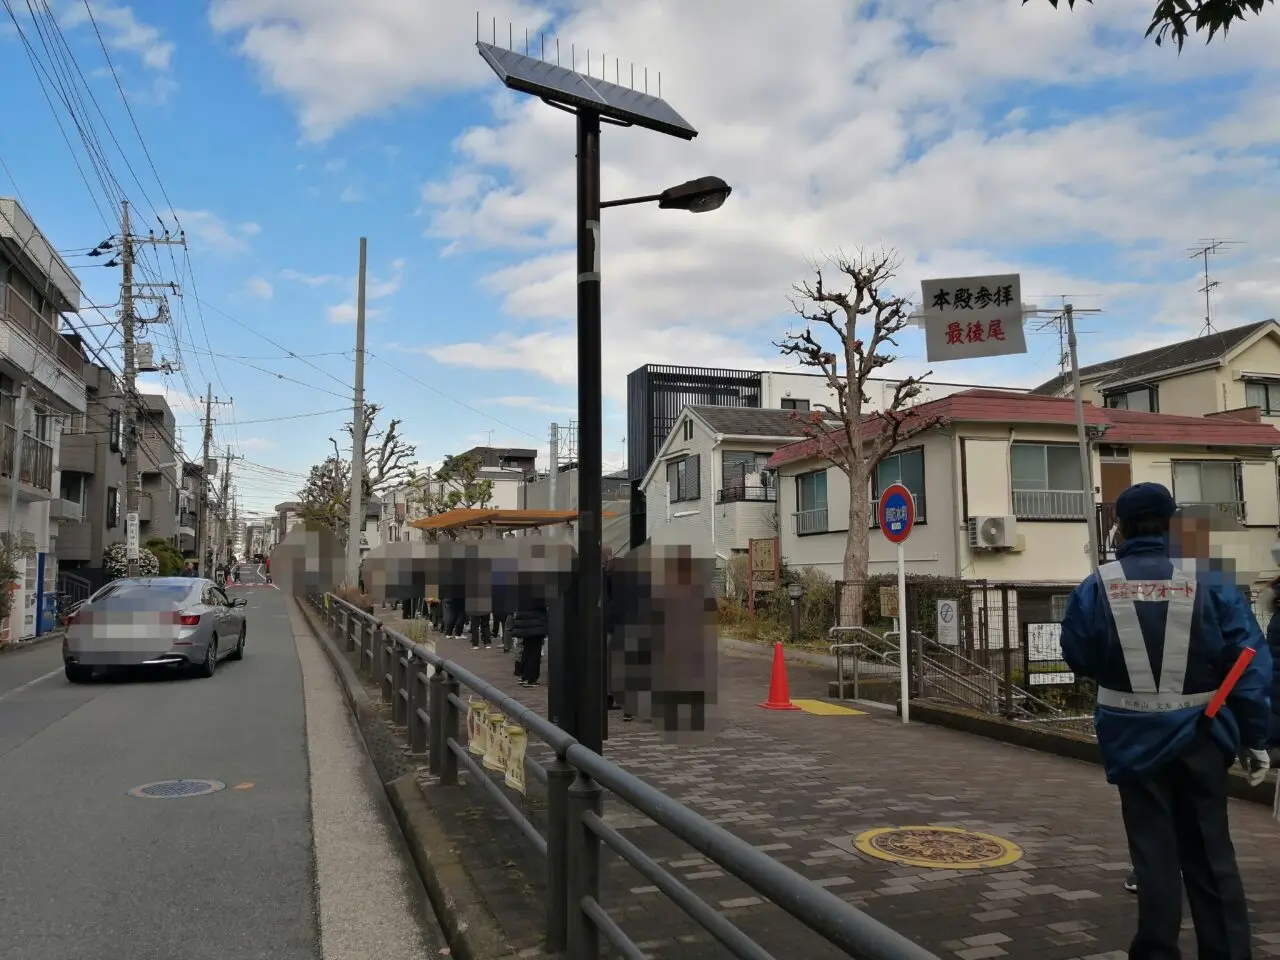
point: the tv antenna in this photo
(1202, 252)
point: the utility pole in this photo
(555, 465)
(1082, 437)
(202, 504)
(222, 506)
(133, 482)
(15, 469)
(355, 509)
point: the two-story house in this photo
(1216, 373)
(1000, 496)
(189, 508)
(709, 485)
(41, 384)
(160, 465)
(657, 396)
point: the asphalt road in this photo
(294, 859)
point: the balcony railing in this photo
(811, 521)
(736, 493)
(35, 466)
(45, 334)
(1049, 504)
(1109, 535)
(920, 510)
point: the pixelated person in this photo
(684, 656)
(529, 624)
(1159, 636)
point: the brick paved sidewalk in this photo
(801, 787)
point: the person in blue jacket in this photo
(1273, 641)
(1159, 635)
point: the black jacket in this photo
(529, 623)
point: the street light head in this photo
(697, 196)
(795, 590)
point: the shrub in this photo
(115, 565)
(773, 608)
(167, 555)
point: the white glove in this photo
(1256, 763)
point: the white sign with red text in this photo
(967, 317)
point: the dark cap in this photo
(1145, 501)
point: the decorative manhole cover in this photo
(177, 789)
(938, 848)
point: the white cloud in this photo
(123, 32)
(345, 312)
(375, 289)
(260, 288)
(256, 443)
(309, 279)
(209, 230)
(535, 404)
(336, 165)
(337, 61)
(351, 194)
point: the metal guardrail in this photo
(423, 689)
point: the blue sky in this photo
(974, 136)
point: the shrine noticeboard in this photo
(764, 565)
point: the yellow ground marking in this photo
(823, 709)
(938, 848)
(243, 786)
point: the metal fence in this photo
(424, 690)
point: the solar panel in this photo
(562, 85)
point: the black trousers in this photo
(531, 659)
(455, 615)
(1176, 820)
(480, 629)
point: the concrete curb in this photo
(31, 644)
(472, 930)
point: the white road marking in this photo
(30, 683)
(363, 883)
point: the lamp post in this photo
(577, 696)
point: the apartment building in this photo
(160, 464)
(92, 461)
(41, 384)
(189, 508)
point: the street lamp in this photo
(697, 196)
(577, 695)
(795, 591)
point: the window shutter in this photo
(694, 475)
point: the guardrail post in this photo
(559, 777)
(583, 874)
(376, 654)
(399, 686)
(417, 706)
(386, 654)
(348, 638)
(449, 731)
(436, 746)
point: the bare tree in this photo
(848, 436)
(388, 458)
(323, 499)
(1177, 18)
(455, 485)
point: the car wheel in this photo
(238, 652)
(78, 673)
(209, 665)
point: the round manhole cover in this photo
(938, 848)
(176, 789)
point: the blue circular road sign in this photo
(897, 513)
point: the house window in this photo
(683, 479)
(1047, 482)
(1058, 607)
(1265, 396)
(114, 428)
(73, 488)
(1215, 482)
(686, 430)
(744, 476)
(1145, 399)
(905, 467)
(811, 503)
(113, 506)
(789, 403)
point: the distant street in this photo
(267, 866)
(251, 574)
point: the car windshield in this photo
(141, 596)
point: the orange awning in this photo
(463, 518)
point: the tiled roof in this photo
(1152, 363)
(751, 421)
(1125, 426)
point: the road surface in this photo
(296, 859)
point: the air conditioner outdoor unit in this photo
(993, 533)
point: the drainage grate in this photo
(177, 789)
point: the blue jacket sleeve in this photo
(1250, 700)
(1083, 627)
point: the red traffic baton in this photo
(1233, 677)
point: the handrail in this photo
(575, 919)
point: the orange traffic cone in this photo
(779, 692)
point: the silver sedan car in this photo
(154, 621)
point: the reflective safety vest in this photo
(1123, 595)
